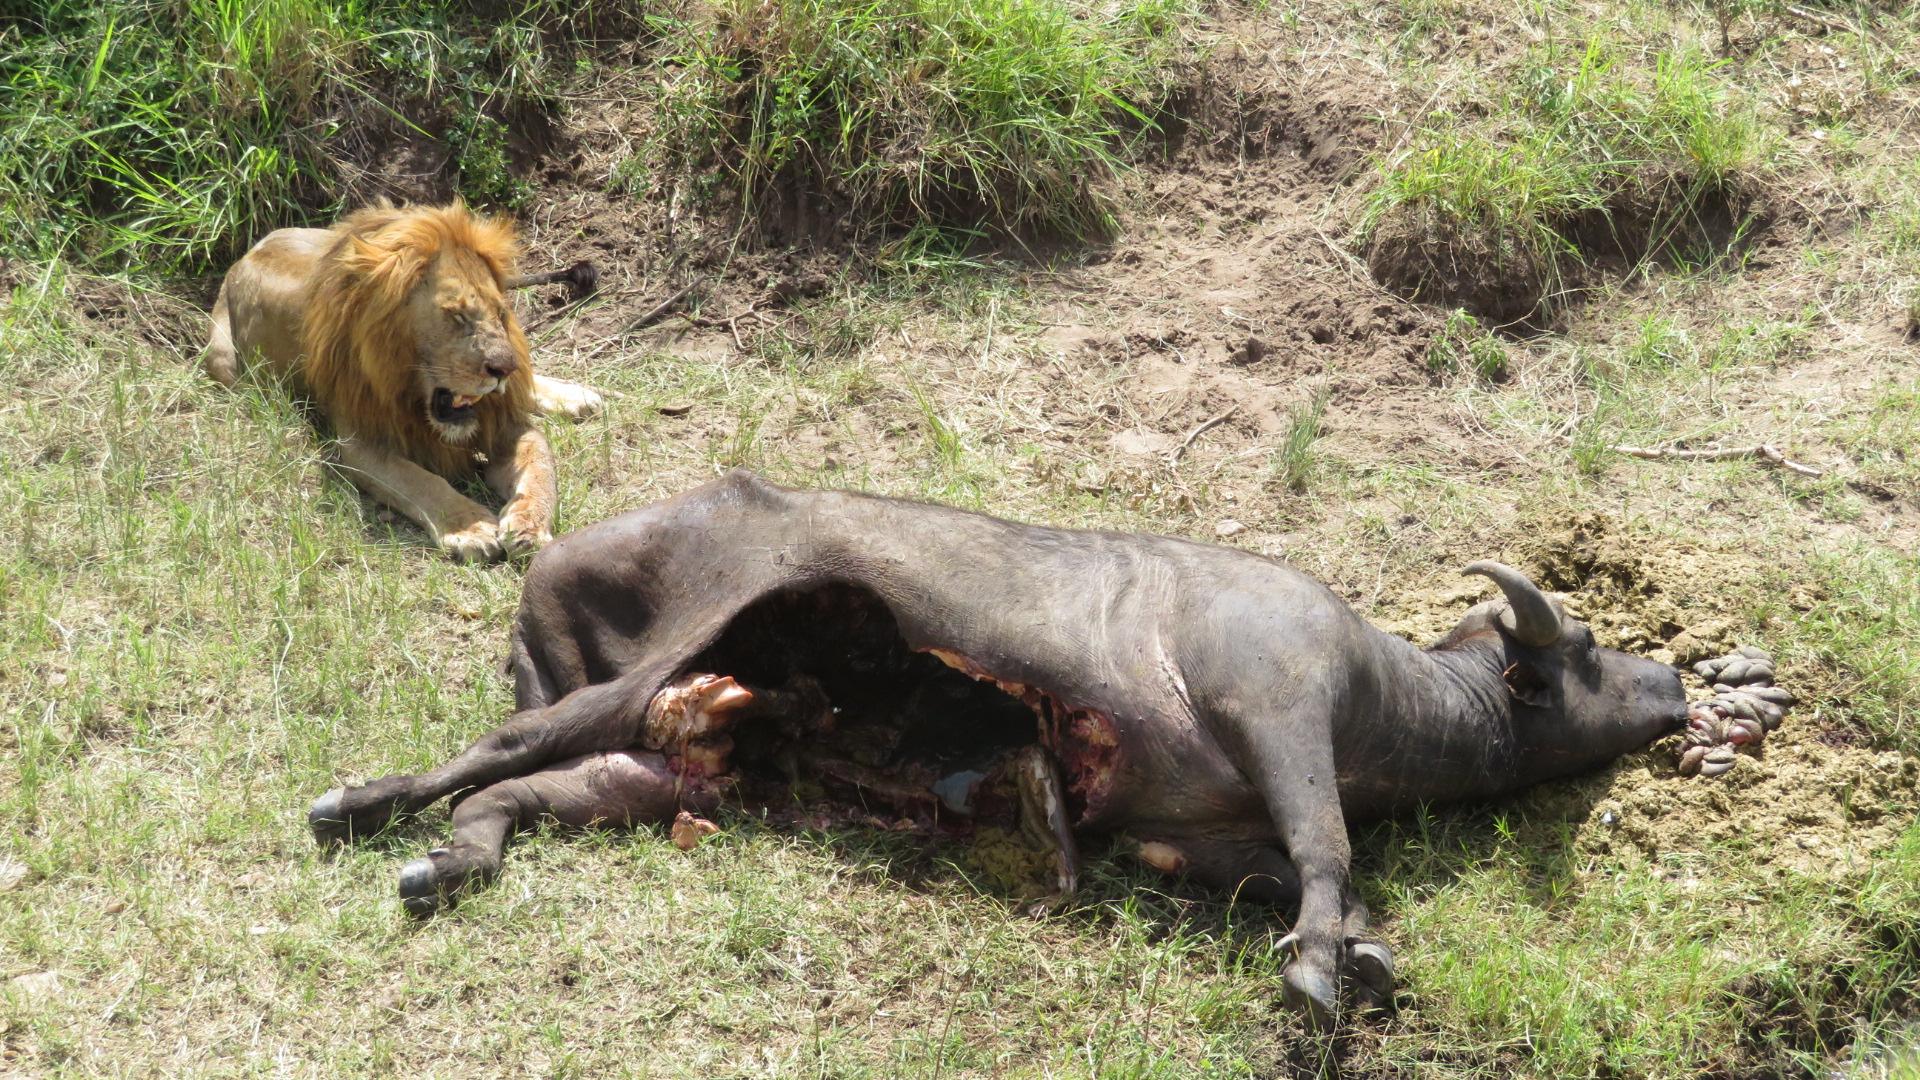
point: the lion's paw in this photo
(478, 542)
(519, 536)
(557, 397)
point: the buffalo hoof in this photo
(420, 891)
(326, 819)
(1370, 967)
(1313, 995)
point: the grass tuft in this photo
(1294, 464)
(1008, 113)
(1582, 155)
(1463, 344)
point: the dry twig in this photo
(1765, 452)
(1833, 23)
(1205, 427)
(660, 310)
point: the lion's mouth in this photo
(451, 408)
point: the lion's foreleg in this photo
(462, 527)
(523, 475)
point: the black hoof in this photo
(327, 820)
(1313, 994)
(420, 888)
(1370, 966)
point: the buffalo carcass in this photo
(745, 643)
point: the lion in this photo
(394, 326)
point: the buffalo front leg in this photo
(1263, 874)
(616, 790)
(1296, 776)
(603, 716)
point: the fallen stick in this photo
(1765, 452)
(1832, 23)
(582, 279)
(660, 310)
(1205, 427)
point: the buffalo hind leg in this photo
(1263, 874)
(593, 718)
(620, 789)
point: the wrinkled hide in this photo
(1222, 711)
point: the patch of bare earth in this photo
(1230, 293)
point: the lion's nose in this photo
(500, 368)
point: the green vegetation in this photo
(1463, 344)
(1295, 462)
(1586, 150)
(1009, 112)
(178, 130)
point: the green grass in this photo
(1295, 462)
(1464, 345)
(1584, 150)
(1009, 113)
(178, 132)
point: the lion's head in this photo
(410, 339)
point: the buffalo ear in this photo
(1529, 685)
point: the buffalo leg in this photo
(1244, 871)
(611, 790)
(1296, 777)
(1263, 874)
(605, 716)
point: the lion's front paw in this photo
(522, 533)
(557, 397)
(478, 542)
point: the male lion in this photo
(395, 325)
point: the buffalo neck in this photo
(1447, 717)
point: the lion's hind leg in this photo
(220, 359)
(558, 397)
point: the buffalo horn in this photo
(1535, 622)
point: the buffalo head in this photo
(1572, 703)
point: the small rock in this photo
(1228, 528)
(11, 874)
(35, 984)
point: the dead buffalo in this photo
(749, 644)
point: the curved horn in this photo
(1535, 622)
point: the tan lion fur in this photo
(368, 319)
(361, 340)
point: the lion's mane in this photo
(360, 346)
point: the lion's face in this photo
(463, 337)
